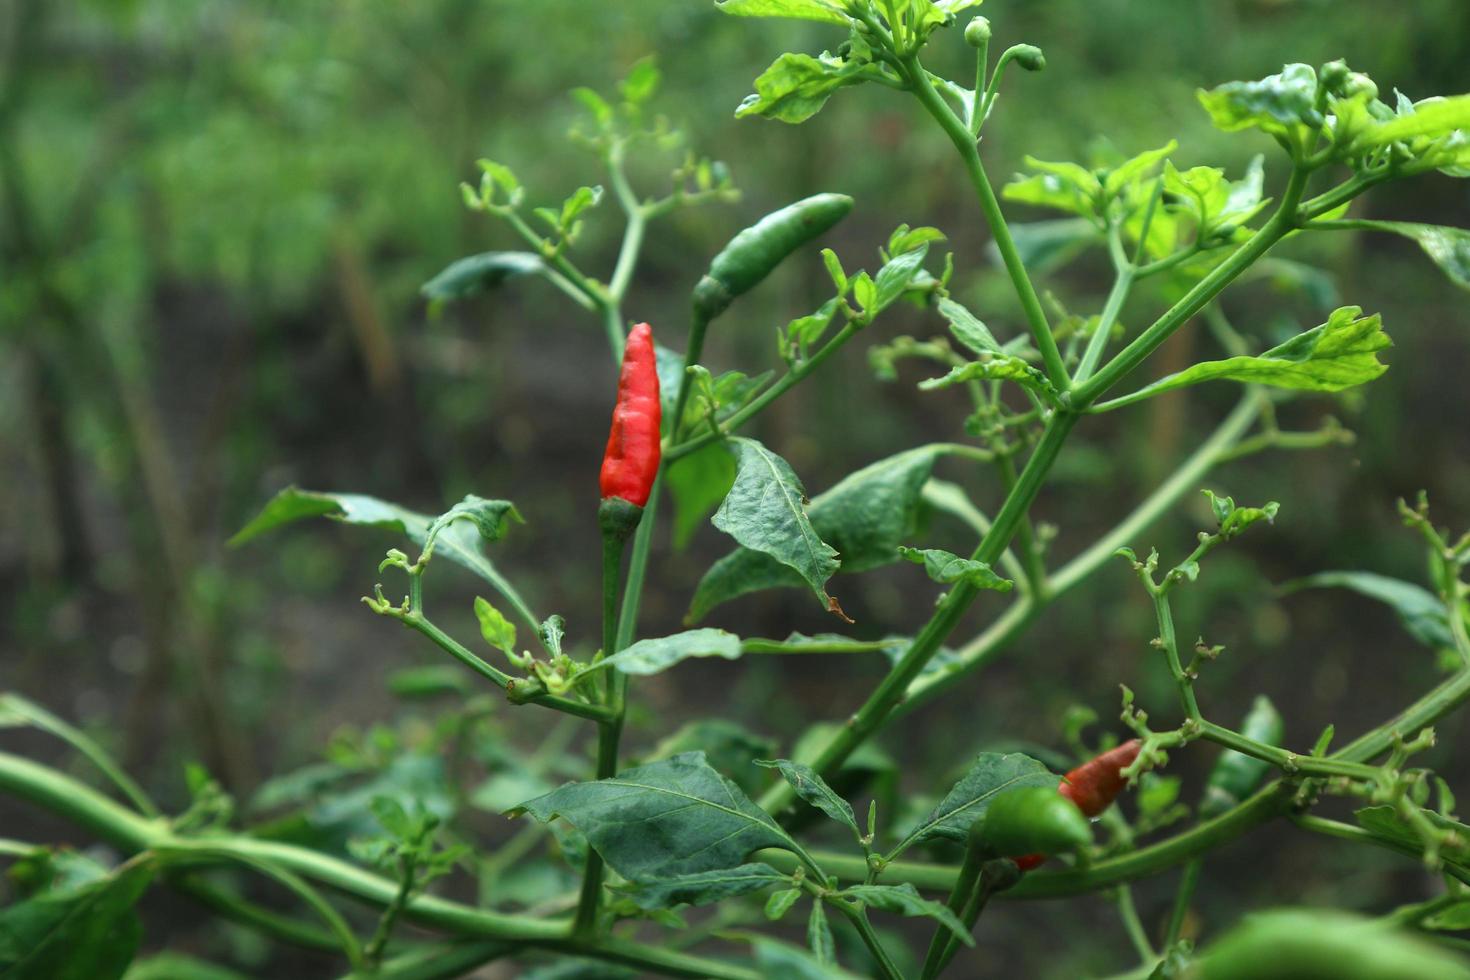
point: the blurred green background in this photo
(214, 220)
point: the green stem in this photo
(1348, 832)
(609, 732)
(894, 687)
(1170, 644)
(1187, 882)
(39, 717)
(1032, 565)
(1133, 926)
(264, 920)
(964, 141)
(1111, 308)
(451, 646)
(965, 886)
(1281, 222)
(373, 953)
(1422, 713)
(436, 962)
(859, 919)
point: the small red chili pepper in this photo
(631, 461)
(1092, 786)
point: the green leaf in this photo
(1062, 186)
(1449, 248)
(1431, 117)
(1131, 170)
(727, 746)
(697, 484)
(819, 936)
(1276, 104)
(457, 542)
(475, 274)
(773, 958)
(489, 517)
(894, 277)
(946, 568)
(1342, 353)
(828, 11)
(990, 775)
(865, 517)
(653, 656)
(814, 789)
(673, 817)
(498, 631)
(967, 328)
(642, 81)
(1384, 821)
(1420, 611)
(765, 512)
(796, 86)
(993, 367)
(81, 932)
(1456, 918)
(905, 900)
(1045, 246)
(704, 887)
(780, 903)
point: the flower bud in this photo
(977, 32)
(1029, 57)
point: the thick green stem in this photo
(1426, 711)
(964, 888)
(894, 687)
(859, 919)
(964, 141)
(609, 732)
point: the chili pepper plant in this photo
(716, 855)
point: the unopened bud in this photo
(977, 32)
(1029, 57)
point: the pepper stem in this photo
(617, 518)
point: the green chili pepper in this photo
(1237, 775)
(1033, 819)
(752, 254)
(1308, 944)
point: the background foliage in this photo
(214, 219)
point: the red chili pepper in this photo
(1092, 786)
(631, 460)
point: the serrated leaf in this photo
(656, 655)
(814, 789)
(946, 568)
(476, 274)
(990, 775)
(828, 11)
(673, 817)
(1342, 353)
(703, 887)
(765, 512)
(1276, 104)
(796, 86)
(865, 517)
(905, 900)
(1420, 611)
